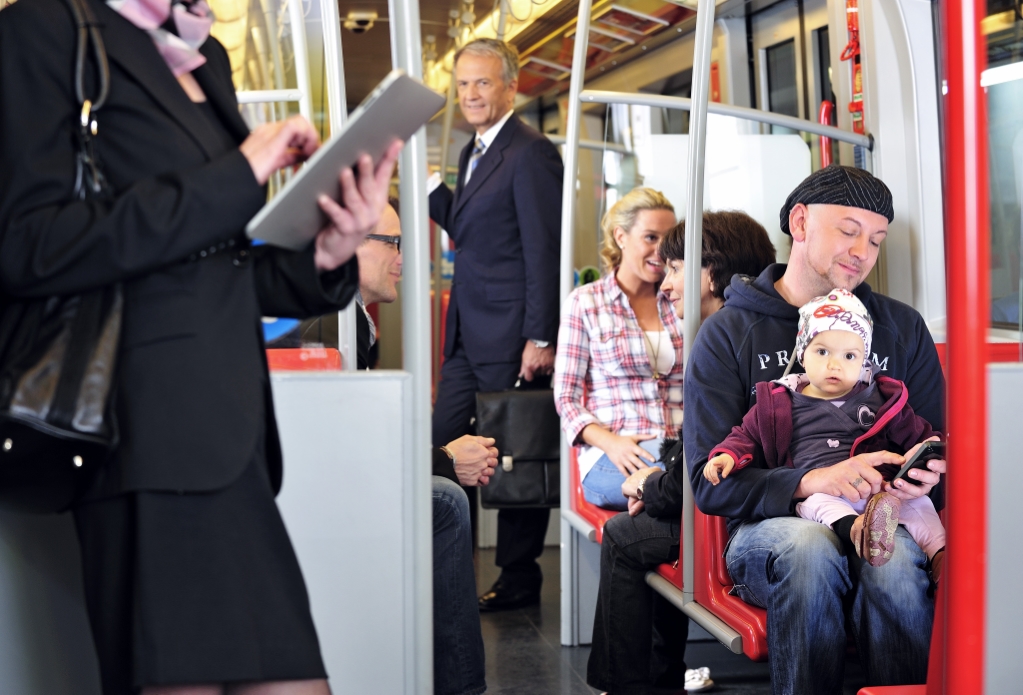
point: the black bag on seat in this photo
(527, 431)
(58, 354)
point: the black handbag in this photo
(58, 354)
(527, 431)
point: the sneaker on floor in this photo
(698, 680)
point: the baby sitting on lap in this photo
(829, 414)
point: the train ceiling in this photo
(545, 38)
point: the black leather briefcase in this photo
(526, 428)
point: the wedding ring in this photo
(857, 482)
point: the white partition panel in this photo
(346, 500)
(347, 464)
(1003, 667)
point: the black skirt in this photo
(195, 588)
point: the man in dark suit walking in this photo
(505, 219)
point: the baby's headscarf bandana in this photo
(191, 24)
(838, 310)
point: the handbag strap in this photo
(89, 179)
(86, 23)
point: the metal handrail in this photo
(407, 54)
(569, 540)
(592, 144)
(594, 96)
(265, 96)
(298, 45)
(694, 258)
(337, 108)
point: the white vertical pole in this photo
(337, 110)
(502, 19)
(694, 245)
(445, 138)
(406, 53)
(300, 48)
(569, 537)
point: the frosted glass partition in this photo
(752, 173)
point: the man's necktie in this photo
(474, 158)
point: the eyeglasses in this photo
(387, 239)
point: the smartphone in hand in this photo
(927, 452)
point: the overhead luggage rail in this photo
(594, 96)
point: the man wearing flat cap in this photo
(837, 218)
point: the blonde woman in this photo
(618, 370)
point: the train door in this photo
(792, 61)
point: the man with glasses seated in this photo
(458, 657)
(379, 273)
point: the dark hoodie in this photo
(750, 340)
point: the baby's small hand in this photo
(722, 463)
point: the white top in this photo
(487, 137)
(490, 134)
(662, 359)
(660, 351)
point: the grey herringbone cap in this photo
(839, 185)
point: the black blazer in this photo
(366, 356)
(506, 225)
(193, 392)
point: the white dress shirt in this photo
(487, 137)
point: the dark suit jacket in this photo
(366, 355)
(506, 225)
(193, 393)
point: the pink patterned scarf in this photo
(192, 18)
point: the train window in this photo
(782, 92)
(1003, 80)
(824, 65)
(672, 121)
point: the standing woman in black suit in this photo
(191, 583)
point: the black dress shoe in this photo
(507, 595)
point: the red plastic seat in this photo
(713, 585)
(673, 573)
(303, 359)
(591, 513)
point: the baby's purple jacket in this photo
(766, 430)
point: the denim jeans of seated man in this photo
(602, 485)
(797, 570)
(458, 659)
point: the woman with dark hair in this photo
(639, 639)
(733, 243)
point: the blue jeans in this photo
(458, 659)
(796, 569)
(602, 485)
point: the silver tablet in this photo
(396, 109)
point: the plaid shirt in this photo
(602, 356)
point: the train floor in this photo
(525, 656)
